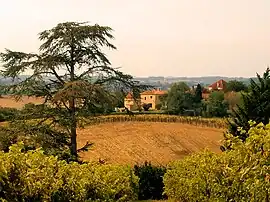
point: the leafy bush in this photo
(34, 176)
(151, 181)
(34, 134)
(7, 114)
(239, 174)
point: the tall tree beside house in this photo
(71, 71)
(179, 98)
(198, 93)
(255, 106)
(216, 105)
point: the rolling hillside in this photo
(135, 142)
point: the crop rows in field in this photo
(199, 121)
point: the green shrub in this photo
(151, 181)
(34, 176)
(240, 174)
(7, 114)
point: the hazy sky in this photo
(156, 37)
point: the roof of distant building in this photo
(154, 92)
(218, 84)
(129, 96)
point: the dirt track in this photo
(132, 142)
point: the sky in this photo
(156, 37)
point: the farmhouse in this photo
(151, 97)
(131, 103)
(218, 85)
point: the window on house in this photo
(150, 97)
(144, 98)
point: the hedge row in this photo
(199, 121)
(240, 174)
(33, 176)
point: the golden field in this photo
(11, 102)
(134, 139)
(136, 142)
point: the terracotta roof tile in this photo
(129, 96)
(154, 92)
(219, 84)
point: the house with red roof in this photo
(219, 85)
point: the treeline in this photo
(182, 100)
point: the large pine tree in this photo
(255, 106)
(70, 71)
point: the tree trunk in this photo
(73, 131)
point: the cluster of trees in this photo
(182, 100)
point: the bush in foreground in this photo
(240, 174)
(33, 176)
(151, 181)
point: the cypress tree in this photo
(255, 106)
(198, 93)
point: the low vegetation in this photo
(150, 181)
(239, 174)
(34, 176)
(198, 121)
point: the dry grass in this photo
(8, 101)
(135, 142)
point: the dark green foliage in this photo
(198, 93)
(118, 99)
(216, 106)
(255, 106)
(8, 114)
(236, 86)
(53, 141)
(151, 181)
(164, 101)
(179, 98)
(158, 106)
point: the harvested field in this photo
(8, 101)
(135, 142)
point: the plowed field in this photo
(135, 142)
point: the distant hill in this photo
(161, 82)
(164, 82)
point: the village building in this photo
(131, 103)
(151, 97)
(218, 85)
